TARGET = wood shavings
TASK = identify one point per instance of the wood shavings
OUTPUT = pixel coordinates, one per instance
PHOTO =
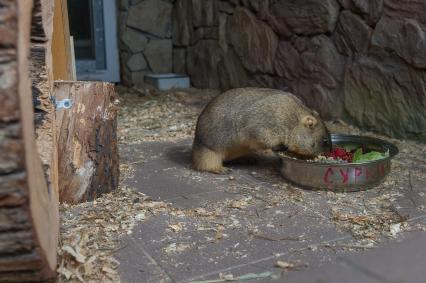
(277, 239)
(176, 227)
(365, 224)
(176, 248)
(285, 264)
(231, 277)
(219, 235)
(240, 204)
(140, 216)
(395, 229)
(360, 246)
(154, 115)
(74, 253)
(203, 212)
(91, 232)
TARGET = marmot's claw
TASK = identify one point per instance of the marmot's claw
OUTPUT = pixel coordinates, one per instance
(223, 171)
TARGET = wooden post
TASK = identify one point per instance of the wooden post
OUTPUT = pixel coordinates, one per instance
(28, 206)
(62, 68)
(87, 140)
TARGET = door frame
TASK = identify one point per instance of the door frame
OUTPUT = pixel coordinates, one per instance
(111, 73)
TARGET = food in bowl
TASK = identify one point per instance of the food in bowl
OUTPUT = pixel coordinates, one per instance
(339, 154)
(366, 170)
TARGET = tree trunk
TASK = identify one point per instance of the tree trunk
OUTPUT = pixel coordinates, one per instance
(87, 140)
(28, 206)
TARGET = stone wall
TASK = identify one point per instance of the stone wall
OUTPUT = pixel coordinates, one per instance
(360, 60)
(145, 32)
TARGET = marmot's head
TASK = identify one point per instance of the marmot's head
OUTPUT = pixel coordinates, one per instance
(310, 137)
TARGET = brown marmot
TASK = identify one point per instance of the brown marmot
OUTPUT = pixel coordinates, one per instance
(245, 120)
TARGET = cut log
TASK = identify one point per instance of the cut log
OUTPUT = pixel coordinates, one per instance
(28, 207)
(87, 140)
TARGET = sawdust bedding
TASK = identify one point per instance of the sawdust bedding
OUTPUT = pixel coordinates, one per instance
(91, 232)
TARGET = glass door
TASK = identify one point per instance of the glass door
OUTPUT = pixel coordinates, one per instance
(95, 39)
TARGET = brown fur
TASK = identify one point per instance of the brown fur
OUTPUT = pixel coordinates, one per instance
(204, 159)
(241, 121)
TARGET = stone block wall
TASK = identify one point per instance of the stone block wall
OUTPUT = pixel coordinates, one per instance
(145, 33)
(360, 60)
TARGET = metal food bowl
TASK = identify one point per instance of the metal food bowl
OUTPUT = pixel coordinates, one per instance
(342, 177)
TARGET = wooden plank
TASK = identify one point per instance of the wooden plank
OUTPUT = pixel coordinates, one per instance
(42, 85)
(73, 66)
(44, 203)
(61, 45)
(87, 140)
(28, 211)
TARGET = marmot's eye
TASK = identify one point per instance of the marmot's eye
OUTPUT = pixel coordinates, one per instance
(326, 141)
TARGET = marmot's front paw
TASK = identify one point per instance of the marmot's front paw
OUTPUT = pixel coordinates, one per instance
(222, 171)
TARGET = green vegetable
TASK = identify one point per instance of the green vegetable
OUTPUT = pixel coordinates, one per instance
(350, 146)
(369, 156)
(357, 155)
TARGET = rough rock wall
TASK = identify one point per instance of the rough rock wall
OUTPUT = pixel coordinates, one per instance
(145, 32)
(360, 60)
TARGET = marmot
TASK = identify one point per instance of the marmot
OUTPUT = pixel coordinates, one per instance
(245, 120)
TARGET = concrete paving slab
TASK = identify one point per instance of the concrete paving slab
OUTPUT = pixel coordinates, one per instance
(165, 173)
(250, 238)
(202, 254)
(402, 262)
(137, 265)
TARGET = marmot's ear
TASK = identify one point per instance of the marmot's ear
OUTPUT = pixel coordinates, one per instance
(309, 121)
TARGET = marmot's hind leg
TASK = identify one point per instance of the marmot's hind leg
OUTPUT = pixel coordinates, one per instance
(204, 159)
